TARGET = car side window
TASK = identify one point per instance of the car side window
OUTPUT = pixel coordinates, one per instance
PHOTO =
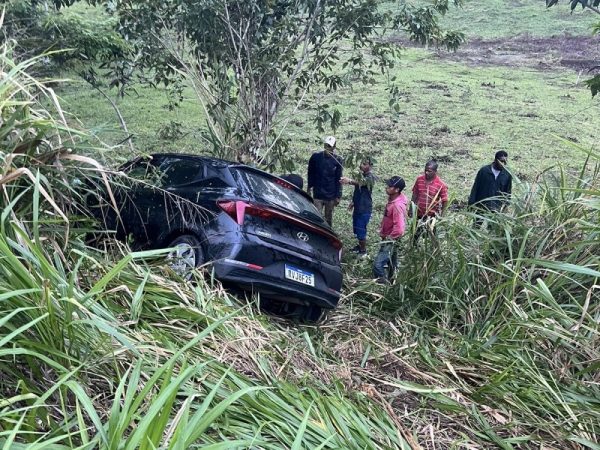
(213, 179)
(213, 182)
(180, 172)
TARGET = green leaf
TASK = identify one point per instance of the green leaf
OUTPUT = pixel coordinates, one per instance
(297, 445)
(142, 435)
(6, 339)
(585, 442)
(564, 267)
(201, 423)
(229, 445)
(90, 409)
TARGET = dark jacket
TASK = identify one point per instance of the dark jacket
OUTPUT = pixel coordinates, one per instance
(324, 173)
(361, 198)
(491, 192)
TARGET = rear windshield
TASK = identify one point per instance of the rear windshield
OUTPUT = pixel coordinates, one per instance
(267, 189)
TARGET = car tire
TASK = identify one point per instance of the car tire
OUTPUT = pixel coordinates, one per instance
(187, 254)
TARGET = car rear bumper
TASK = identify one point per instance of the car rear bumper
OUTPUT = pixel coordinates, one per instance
(270, 283)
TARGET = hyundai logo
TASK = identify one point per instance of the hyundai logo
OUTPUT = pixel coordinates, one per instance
(302, 236)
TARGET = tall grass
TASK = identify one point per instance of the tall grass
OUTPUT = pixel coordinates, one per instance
(508, 315)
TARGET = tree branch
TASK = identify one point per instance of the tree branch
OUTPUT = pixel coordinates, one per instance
(120, 116)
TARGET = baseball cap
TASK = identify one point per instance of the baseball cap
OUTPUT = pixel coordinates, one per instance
(330, 141)
(396, 182)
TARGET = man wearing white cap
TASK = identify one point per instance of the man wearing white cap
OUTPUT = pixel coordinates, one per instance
(324, 174)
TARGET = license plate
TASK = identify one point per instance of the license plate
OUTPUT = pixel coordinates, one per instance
(299, 275)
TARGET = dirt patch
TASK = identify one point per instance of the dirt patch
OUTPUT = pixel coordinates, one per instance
(437, 86)
(444, 129)
(544, 53)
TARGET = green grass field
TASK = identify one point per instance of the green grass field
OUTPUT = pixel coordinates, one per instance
(457, 108)
(492, 19)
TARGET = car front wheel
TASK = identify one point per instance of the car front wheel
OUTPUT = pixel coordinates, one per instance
(186, 255)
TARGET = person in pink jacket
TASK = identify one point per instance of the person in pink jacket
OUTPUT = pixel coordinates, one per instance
(393, 226)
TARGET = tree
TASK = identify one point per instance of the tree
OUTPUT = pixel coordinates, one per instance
(251, 60)
(37, 27)
(591, 5)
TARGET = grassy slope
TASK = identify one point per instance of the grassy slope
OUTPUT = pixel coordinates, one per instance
(496, 19)
(520, 113)
(446, 111)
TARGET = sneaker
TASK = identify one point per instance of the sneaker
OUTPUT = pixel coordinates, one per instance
(362, 255)
(355, 249)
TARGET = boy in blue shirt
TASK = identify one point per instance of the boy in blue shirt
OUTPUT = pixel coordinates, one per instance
(362, 204)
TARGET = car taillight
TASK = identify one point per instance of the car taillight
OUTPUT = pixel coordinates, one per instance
(261, 212)
(234, 209)
(283, 184)
(237, 209)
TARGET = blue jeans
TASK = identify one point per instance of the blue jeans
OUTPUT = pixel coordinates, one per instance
(387, 256)
(360, 222)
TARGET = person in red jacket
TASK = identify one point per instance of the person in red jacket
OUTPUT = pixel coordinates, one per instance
(430, 195)
(393, 226)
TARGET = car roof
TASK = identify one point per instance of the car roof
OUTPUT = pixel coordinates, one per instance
(225, 163)
(209, 159)
(217, 162)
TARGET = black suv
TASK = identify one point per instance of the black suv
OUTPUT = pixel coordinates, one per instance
(256, 231)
